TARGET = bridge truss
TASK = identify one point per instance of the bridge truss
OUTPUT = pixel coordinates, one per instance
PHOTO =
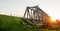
(36, 14)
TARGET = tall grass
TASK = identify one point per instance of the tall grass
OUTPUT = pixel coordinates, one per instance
(10, 23)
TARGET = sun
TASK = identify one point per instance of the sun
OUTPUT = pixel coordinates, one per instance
(53, 19)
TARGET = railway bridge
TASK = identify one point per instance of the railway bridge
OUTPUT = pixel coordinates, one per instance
(36, 15)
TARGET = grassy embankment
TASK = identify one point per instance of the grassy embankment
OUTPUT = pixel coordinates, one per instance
(11, 23)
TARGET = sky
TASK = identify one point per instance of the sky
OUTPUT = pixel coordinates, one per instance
(18, 7)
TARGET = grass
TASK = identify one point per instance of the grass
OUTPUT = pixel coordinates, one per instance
(11, 23)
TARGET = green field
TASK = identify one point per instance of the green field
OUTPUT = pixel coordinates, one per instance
(12, 23)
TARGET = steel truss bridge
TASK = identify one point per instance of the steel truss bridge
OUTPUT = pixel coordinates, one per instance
(36, 15)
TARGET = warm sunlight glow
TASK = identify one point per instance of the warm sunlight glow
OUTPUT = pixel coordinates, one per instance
(53, 20)
(55, 16)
